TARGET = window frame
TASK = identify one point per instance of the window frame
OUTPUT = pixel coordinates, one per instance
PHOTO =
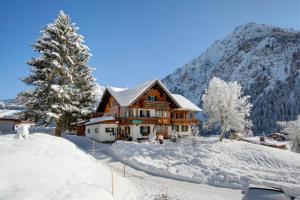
(184, 130)
(112, 130)
(147, 133)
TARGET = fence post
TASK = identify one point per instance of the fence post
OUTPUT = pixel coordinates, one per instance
(93, 150)
(124, 166)
(112, 181)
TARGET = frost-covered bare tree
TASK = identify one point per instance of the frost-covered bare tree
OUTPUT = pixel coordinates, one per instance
(61, 80)
(226, 108)
(292, 128)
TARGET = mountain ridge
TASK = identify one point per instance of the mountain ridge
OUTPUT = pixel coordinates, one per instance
(264, 59)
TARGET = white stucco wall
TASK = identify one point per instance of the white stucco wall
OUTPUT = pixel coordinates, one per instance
(101, 136)
(6, 126)
(188, 133)
(136, 131)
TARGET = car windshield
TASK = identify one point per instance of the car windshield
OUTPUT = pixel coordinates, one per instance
(265, 194)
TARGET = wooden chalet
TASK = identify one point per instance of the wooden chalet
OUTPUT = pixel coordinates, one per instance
(134, 114)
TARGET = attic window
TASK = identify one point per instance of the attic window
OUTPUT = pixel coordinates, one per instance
(152, 98)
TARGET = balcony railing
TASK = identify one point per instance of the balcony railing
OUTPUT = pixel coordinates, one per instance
(156, 104)
(181, 121)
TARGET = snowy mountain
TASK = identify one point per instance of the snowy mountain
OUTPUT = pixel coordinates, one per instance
(264, 59)
(10, 104)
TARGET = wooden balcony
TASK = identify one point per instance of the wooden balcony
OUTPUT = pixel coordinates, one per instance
(160, 105)
(184, 121)
(146, 120)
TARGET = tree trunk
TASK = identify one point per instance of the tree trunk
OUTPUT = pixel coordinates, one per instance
(221, 137)
(58, 128)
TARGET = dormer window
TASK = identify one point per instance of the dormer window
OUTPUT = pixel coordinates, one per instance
(152, 98)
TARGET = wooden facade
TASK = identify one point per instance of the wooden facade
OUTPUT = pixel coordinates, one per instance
(152, 111)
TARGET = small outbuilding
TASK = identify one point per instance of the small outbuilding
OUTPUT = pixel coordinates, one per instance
(7, 124)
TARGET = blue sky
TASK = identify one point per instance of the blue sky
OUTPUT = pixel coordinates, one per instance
(133, 40)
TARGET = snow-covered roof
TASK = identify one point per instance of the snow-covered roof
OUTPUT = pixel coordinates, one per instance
(129, 96)
(126, 97)
(185, 103)
(9, 114)
(99, 119)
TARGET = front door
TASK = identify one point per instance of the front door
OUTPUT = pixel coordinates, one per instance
(162, 130)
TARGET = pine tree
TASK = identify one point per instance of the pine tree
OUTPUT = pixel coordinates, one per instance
(61, 81)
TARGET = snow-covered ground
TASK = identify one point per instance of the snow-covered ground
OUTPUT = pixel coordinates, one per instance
(232, 164)
(268, 141)
(48, 167)
(151, 187)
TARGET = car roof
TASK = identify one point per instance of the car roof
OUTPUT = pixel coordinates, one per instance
(252, 186)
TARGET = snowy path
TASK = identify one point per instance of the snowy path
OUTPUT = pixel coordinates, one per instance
(155, 187)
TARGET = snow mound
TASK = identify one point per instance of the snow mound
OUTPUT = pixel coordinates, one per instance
(233, 164)
(48, 167)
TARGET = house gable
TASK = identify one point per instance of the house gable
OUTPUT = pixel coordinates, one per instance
(108, 104)
(154, 97)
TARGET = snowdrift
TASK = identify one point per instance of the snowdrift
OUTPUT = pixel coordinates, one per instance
(48, 167)
(232, 164)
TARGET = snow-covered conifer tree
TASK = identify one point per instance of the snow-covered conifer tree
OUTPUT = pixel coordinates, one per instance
(292, 128)
(226, 108)
(61, 80)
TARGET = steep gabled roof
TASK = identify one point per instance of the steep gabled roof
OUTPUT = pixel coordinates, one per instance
(130, 96)
(185, 103)
(126, 97)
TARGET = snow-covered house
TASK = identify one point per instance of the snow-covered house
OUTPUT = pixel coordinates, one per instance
(134, 114)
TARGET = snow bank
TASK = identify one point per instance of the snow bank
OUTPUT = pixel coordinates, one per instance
(48, 167)
(233, 164)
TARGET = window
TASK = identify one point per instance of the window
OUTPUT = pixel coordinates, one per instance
(127, 113)
(96, 130)
(158, 113)
(152, 98)
(176, 127)
(144, 113)
(127, 130)
(165, 114)
(179, 116)
(89, 131)
(109, 130)
(145, 130)
(184, 128)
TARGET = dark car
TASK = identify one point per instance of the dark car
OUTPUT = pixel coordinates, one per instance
(264, 193)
